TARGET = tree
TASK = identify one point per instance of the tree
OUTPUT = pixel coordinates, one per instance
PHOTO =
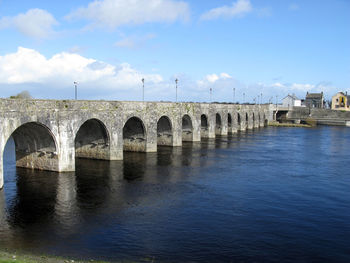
(22, 95)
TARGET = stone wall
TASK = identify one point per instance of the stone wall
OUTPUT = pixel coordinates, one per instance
(322, 116)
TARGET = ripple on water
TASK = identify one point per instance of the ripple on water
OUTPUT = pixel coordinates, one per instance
(267, 195)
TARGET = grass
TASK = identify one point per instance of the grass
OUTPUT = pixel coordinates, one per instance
(7, 257)
(277, 124)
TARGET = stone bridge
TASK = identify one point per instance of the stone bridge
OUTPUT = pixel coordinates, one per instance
(50, 134)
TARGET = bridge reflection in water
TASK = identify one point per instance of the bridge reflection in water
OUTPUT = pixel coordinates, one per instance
(35, 203)
(233, 198)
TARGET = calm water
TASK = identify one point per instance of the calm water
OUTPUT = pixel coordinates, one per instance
(268, 195)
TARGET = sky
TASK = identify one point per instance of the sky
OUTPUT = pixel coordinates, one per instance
(219, 50)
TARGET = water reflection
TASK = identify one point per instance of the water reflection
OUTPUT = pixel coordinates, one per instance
(35, 198)
(67, 213)
(4, 227)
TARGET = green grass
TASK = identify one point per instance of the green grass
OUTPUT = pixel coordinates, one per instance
(7, 257)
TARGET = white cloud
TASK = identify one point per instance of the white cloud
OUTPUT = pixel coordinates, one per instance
(27, 69)
(134, 42)
(237, 9)
(29, 66)
(36, 23)
(115, 13)
(211, 78)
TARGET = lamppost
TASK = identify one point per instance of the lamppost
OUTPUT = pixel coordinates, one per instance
(261, 98)
(76, 89)
(176, 80)
(243, 97)
(211, 91)
(143, 89)
(234, 91)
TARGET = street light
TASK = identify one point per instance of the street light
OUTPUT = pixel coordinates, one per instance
(234, 91)
(176, 81)
(143, 89)
(261, 98)
(211, 90)
(76, 89)
(243, 97)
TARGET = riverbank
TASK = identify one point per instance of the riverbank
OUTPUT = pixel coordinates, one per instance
(277, 124)
(9, 257)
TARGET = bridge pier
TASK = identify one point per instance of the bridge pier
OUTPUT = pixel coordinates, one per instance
(234, 125)
(250, 124)
(261, 124)
(256, 124)
(1, 173)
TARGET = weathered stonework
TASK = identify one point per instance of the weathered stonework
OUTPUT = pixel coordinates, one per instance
(50, 134)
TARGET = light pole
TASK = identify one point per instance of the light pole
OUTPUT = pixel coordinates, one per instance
(261, 98)
(76, 89)
(176, 81)
(234, 91)
(143, 89)
(211, 91)
(243, 97)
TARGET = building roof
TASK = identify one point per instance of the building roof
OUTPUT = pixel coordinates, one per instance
(292, 96)
(314, 95)
(340, 93)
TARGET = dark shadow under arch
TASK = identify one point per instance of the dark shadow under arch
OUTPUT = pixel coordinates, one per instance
(134, 135)
(246, 120)
(92, 140)
(204, 126)
(218, 124)
(164, 131)
(35, 147)
(187, 128)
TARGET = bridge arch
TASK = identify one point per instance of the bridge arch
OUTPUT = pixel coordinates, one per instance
(254, 120)
(204, 126)
(218, 124)
(239, 121)
(187, 128)
(35, 147)
(164, 131)
(229, 123)
(246, 120)
(134, 135)
(92, 140)
(265, 120)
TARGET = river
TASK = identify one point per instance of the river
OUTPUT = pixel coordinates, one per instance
(272, 194)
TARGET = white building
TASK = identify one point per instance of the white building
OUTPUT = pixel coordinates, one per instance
(291, 101)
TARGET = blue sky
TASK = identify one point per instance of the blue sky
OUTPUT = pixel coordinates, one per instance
(268, 47)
